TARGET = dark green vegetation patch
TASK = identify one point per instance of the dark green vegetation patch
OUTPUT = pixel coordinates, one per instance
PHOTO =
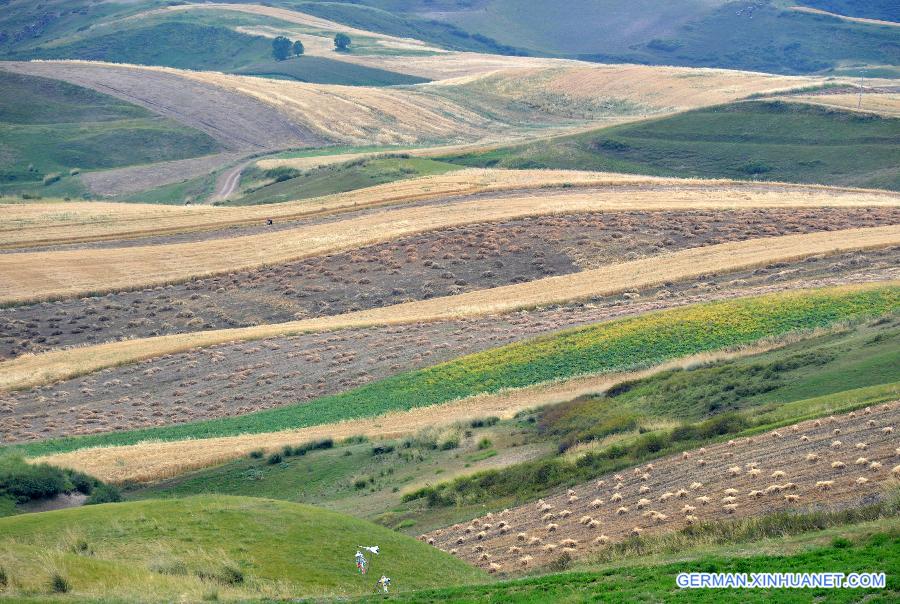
(758, 140)
(50, 128)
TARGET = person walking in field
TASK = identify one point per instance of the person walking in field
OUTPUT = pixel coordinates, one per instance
(361, 562)
(383, 583)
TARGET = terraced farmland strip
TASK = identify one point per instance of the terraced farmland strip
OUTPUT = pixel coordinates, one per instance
(36, 224)
(48, 367)
(39, 276)
(622, 345)
(152, 461)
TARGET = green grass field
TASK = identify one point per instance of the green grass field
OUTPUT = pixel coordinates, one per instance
(813, 376)
(49, 127)
(181, 44)
(613, 346)
(208, 547)
(759, 140)
(275, 186)
(847, 360)
(327, 71)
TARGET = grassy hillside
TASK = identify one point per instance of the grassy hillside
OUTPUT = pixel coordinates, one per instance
(285, 184)
(746, 34)
(814, 376)
(886, 10)
(49, 127)
(614, 346)
(327, 71)
(172, 44)
(822, 366)
(208, 547)
(760, 140)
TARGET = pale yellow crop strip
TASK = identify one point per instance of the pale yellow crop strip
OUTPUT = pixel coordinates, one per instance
(158, 460)
(33, 370)
(47, 275)
(36, 224)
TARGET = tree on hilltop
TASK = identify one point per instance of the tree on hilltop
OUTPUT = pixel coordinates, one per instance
(341, 41)
(281, 48)
(297, 48)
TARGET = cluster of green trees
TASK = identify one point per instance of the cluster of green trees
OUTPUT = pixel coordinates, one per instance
(283, 48)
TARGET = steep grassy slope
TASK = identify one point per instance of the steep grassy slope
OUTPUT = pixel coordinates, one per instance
(280, 184)
(747, 34)
(48, 126)
(171, 44)
(760, 140)
(192, 548)
(322, 70)
(614, 346)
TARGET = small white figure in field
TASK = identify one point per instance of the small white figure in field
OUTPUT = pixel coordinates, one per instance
(383, 583)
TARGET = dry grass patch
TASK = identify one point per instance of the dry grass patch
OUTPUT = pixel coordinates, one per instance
(32, 370)
(886, 104)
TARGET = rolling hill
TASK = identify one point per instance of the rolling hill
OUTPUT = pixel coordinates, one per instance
(203, 547)
(51, 128)
(758, 140)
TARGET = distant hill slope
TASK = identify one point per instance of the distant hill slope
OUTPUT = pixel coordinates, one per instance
(51, 127)
(889, 10)
(761, 35)
(235, 547)
(758, 35)
(762, 140)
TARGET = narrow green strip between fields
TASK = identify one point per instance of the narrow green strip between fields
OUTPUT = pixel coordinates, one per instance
(621, 345)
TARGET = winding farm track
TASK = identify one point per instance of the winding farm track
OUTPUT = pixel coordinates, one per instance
(132, 179)
(32, 370)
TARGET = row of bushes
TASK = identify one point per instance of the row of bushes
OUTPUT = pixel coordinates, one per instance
(532, 478)
(23, 482)
(294, 451)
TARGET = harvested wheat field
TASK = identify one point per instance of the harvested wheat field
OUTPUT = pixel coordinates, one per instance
(427, 265)
(51, 366)
(153, 461)
(32, 224)
(833, 463)
(239, 377)
(51, 275)
(886, 104)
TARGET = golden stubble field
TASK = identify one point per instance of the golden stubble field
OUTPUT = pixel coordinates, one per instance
(34, 276)
(33, 370)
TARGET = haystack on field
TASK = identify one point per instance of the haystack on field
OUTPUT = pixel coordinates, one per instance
(789, 469)
(39, 223)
